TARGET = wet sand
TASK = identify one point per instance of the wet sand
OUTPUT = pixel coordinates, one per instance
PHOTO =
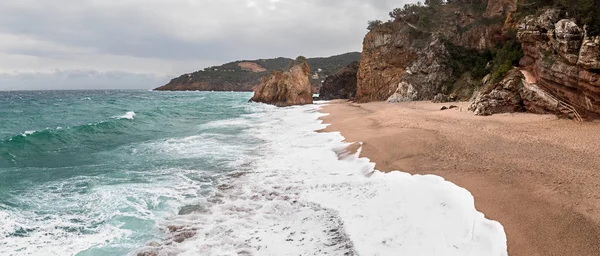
(538, 175)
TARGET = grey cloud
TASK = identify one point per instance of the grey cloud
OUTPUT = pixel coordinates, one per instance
(79, 79)
(187, 30)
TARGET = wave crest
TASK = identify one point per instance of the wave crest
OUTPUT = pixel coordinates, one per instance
(129, 115)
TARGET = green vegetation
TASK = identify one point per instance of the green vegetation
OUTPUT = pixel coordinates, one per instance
(505, 57)
(373, 24)
(497, 61)
(417, 14)
(468, 60)
(586, 12)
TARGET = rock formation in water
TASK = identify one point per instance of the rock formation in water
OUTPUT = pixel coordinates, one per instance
(341, 85)
(286, 88)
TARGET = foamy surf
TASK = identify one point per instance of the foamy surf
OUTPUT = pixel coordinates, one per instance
(129, 115)
(24, 134)
(295, 197)
(217, 176)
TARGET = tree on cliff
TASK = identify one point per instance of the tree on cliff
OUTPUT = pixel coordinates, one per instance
(586, 12)
(433, 3)
(373, 24)
(417, 14)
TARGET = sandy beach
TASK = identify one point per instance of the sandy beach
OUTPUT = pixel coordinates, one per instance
(538, 175)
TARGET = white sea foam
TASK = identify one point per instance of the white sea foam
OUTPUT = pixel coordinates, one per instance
(129, 115)
(290, 195)
(110, 213)
(24, 134)
(299, 199)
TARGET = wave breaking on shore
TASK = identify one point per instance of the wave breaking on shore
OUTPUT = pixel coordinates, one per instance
(294, 195)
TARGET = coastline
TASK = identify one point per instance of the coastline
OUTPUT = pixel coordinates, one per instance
(535, 174)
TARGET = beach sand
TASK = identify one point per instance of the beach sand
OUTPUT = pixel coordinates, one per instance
(538, 175)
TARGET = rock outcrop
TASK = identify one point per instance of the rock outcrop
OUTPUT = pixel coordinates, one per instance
(564, 60)
(402, 61)
(286, 88)
(515, 94)
(397, 67)
(501, 97)
(423, 79)
(341, 85)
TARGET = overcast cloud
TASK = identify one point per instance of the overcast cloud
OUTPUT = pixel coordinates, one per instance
(144, 43)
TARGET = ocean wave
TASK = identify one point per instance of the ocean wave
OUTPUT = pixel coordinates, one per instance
(129, 115)
(34, 146)
(299, 198)
(25, 133)
(76, 222)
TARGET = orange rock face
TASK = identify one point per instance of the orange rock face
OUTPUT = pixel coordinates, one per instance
(404, 62)
(563, 59)
(287, 88)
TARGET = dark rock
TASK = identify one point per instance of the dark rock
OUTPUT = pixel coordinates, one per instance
(148, 253)
(189, 209)
(341, 85)
(174, 228)
(440, 98)
(179, 238)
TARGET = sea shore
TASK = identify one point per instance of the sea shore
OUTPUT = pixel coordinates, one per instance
(538, 175)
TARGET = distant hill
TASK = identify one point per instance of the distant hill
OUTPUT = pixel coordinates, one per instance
(245, 74)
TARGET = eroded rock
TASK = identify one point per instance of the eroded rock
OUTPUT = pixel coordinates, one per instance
(502, 97)
(564, 60)
(286, 88)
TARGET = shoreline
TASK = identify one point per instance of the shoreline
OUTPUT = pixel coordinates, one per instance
(535, 174)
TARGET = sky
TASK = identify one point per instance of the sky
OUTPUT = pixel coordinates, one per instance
(142, 44)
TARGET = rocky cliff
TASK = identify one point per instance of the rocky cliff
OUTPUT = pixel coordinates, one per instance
(341, 85)
(444, 51)
(407, 58)
(563, 58)
(286, 88)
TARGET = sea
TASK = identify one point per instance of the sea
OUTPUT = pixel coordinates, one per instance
(133, 172)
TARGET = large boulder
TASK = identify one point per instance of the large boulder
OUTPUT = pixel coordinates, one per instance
(286, 88)
(515, 94)
(501, 97)
(341, 85)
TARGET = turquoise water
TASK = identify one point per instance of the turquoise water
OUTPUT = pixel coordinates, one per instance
(95, 172)
(201, 173)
